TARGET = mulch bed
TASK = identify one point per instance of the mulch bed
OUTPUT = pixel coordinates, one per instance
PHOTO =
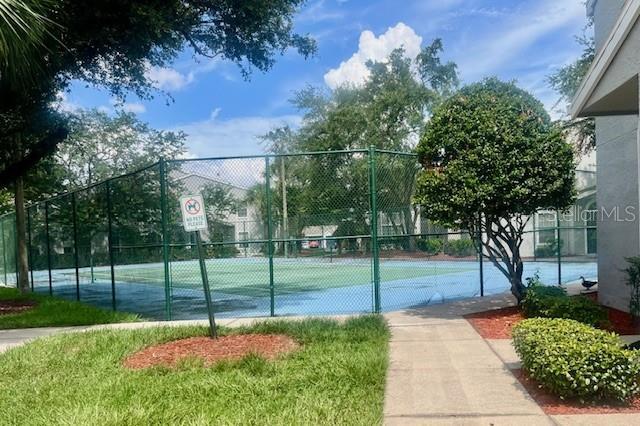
(497, 323)
(16, 306)
(553, 405)
(210, 351)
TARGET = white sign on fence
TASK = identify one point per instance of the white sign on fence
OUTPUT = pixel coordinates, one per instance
(193, 214)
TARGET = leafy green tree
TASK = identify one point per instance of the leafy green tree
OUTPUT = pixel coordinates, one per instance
(493, 150)
(566, 81)
(100, 146)
(112, 44)
(220, 202)
(136, 36)
(388, 111)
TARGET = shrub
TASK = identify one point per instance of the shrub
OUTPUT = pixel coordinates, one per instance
(546, 304)
(549, 249)
(571, 359)
(460, 248)
(431, 246)
(545, 251)
(553, 302)
(633, 281)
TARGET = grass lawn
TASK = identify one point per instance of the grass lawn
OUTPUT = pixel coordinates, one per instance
(52, 312)
(251, 277)
(337, 377)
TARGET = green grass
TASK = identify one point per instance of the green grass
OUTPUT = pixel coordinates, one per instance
(53, 311)
(252, 278)
(337, 377)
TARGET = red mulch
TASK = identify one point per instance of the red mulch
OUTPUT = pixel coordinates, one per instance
(553, 405)
(210, 351)
(497, 323)
(16, 306)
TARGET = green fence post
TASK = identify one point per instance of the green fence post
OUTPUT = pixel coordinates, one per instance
(559, 248)
(110, 244)
(48, 241)
(535, 235)
(375, 254)
(15, 247)
(76, 258)
(4, 253)
(165, 240)
(270, 234)
(481, 256)
(29, 252)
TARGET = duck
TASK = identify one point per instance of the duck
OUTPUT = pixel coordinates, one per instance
(588, 284)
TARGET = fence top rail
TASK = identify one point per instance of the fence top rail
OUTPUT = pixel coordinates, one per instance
(90, 186)
(402, 153)
(184, 160)
(272, 155)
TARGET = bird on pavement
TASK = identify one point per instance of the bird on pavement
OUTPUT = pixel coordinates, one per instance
(587, 284)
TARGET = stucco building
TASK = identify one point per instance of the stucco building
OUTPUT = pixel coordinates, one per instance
(609, 92)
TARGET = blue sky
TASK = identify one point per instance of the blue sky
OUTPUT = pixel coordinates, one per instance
(223, 114)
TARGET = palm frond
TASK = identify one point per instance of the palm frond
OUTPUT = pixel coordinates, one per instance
(24, 30)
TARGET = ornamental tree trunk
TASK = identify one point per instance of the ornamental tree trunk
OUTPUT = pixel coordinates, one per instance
(21, 238)
(518, 289)
(501, 239)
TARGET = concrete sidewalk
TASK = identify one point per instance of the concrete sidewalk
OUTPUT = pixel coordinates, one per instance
(442, 372)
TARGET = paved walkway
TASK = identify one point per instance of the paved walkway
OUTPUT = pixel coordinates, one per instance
(442, 372)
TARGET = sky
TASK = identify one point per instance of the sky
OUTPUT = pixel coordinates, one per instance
(224, 114)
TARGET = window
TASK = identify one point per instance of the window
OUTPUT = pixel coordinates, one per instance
(242, 210)
(243, 236)
(546, 225)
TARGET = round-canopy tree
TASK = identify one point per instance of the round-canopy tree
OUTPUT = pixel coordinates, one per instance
(491, 159)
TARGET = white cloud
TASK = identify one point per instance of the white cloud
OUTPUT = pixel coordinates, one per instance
(64, 104)
(237, 136)
(135, 107)
(370, 47)
(168, 78)
(214, 113)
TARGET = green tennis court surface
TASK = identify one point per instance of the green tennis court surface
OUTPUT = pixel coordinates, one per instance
(252, 278)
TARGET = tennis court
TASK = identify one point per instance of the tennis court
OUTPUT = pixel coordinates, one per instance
(291, 234)
(240, 286)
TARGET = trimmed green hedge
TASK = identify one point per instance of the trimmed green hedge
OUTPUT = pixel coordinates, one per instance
(572, 359)
(462, 247)
(553, 302)
(431, 246)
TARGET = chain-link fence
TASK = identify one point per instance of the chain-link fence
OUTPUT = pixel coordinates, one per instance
(292, 234)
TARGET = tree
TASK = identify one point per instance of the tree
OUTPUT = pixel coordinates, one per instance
(566, 81)
(493, 150)
(131, 37)
(23, 30)
(388, 111)
(220, 202)
(113, 44)
(100, 146)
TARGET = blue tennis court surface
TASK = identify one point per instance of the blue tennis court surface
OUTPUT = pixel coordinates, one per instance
(240, 286)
